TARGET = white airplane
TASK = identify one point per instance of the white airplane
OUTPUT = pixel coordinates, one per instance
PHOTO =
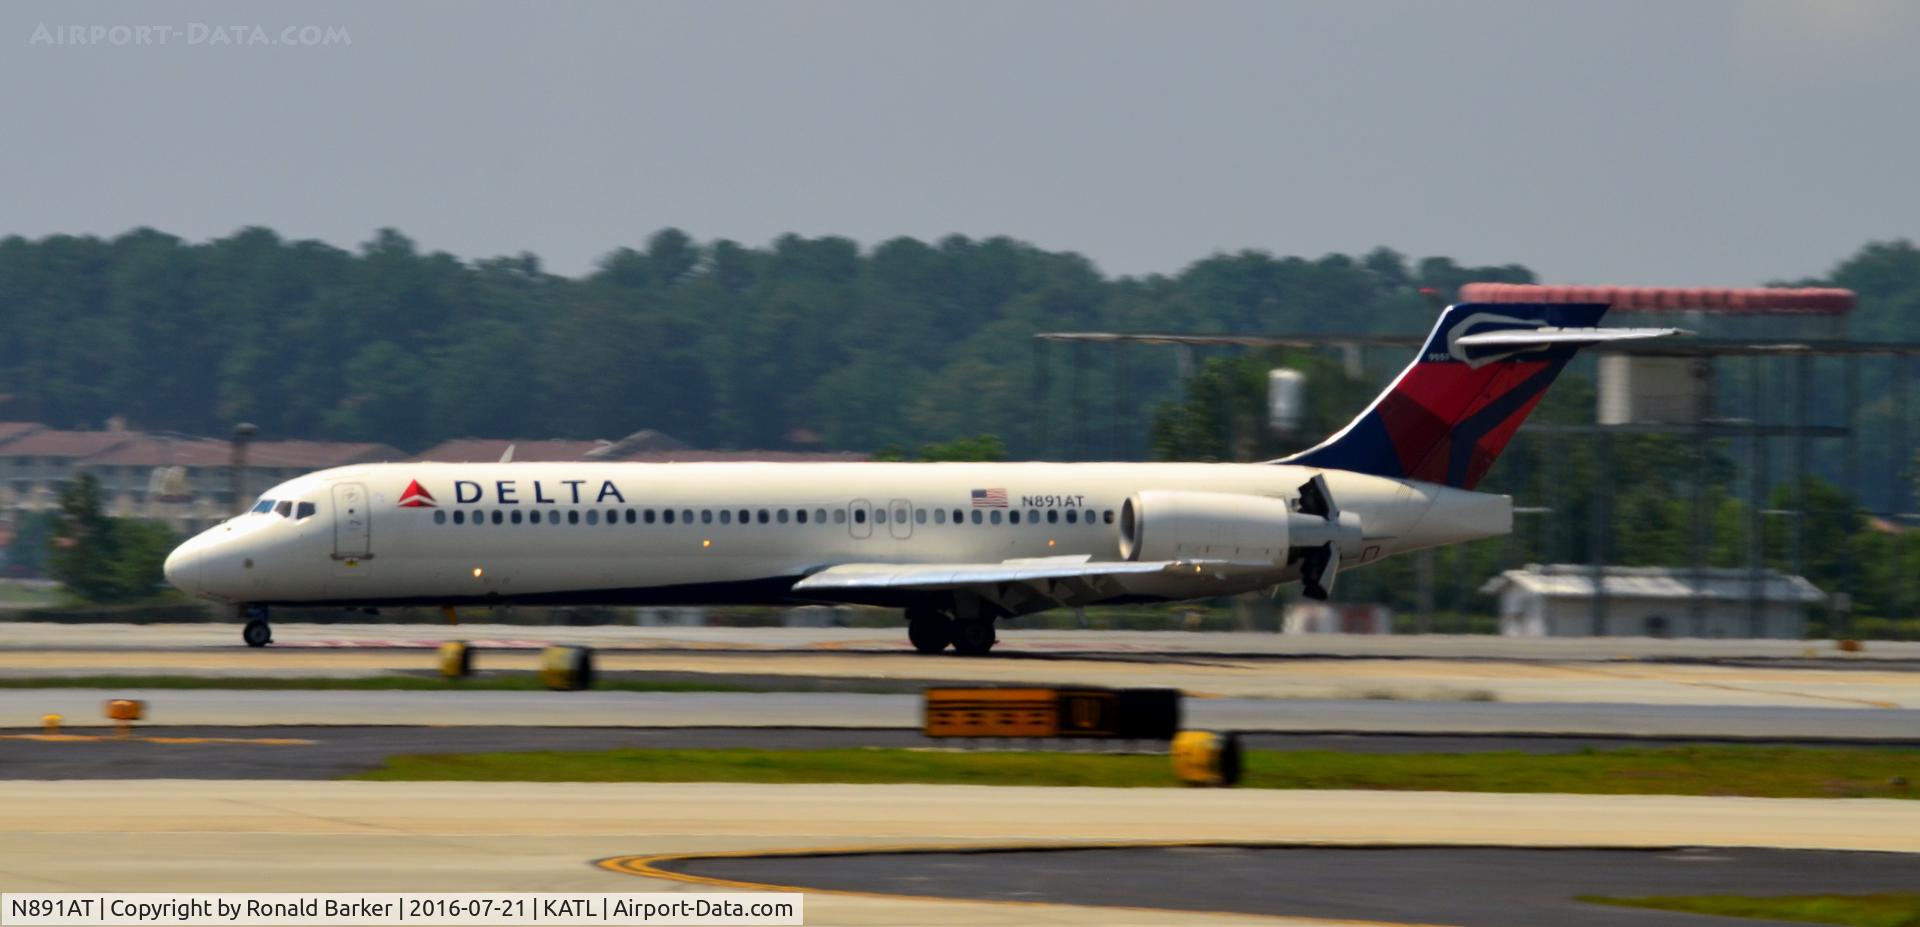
(955, 545)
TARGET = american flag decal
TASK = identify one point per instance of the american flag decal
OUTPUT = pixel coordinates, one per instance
(989, 498)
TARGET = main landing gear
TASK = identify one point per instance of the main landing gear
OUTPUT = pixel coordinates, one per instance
(257, 632)
(931, 631)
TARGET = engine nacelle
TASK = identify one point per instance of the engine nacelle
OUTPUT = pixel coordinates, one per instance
(1168, 525)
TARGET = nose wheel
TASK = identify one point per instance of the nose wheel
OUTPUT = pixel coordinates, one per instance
(257, 632)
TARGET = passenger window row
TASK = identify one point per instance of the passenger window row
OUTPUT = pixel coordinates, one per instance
(816, 516)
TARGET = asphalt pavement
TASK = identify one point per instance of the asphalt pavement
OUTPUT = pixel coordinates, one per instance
(1469, 887)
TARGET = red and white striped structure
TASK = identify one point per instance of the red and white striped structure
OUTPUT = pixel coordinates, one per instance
(1728, 300)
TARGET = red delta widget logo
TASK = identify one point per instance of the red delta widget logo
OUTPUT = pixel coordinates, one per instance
(511, 492)
(416, 497)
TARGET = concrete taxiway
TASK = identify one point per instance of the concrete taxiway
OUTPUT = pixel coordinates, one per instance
(220, 835)
(23, 708)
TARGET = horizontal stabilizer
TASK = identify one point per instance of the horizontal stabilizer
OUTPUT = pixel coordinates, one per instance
(1571, 336)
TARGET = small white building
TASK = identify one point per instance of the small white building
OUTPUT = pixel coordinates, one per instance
(1557, 600)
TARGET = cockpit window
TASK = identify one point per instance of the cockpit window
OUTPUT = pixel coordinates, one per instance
(304, 510)
(283, 508)
(264, 505)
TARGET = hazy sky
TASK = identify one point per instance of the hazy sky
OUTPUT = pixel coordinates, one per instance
(1621, 142)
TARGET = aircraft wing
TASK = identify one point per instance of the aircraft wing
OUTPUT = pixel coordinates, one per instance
(1057, 581)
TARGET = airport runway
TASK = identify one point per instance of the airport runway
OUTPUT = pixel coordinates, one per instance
(51, 635)
(23, 709)
(332, 752)
(216, 835)
(1883, 684)
(1470, 887)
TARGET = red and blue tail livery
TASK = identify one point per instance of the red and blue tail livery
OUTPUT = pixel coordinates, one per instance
(1450, 413)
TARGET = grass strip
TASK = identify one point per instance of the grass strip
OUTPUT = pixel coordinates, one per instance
(1767, 772)
(1889, 909)
(489, 682)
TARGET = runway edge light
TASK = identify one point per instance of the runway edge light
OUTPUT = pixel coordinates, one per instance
(456, 660)
(1207, 758)
(567, 668)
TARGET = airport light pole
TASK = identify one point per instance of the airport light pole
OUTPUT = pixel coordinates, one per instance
(237, 467)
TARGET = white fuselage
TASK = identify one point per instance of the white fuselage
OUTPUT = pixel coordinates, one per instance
(739, 532)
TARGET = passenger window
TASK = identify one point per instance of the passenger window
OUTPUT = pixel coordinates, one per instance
(304, 510)
(283, 509)
(939, 516)
(839, 516)
(668, 515)
(1053, 517)
(746, 517)
(633, 515)
(820, 515)
(919, 516)
(879, 516)
(780, 516)
(726, 516)
(706, 516)
(899, 516)
(1109, 518)
(859, 516)
(1033, 515)
(459, 518)
(800, 515)
(497, 517)
(648, 515)
(573, 517)
(976, 516)
(763, 516)
(515, 517)
(534, 516)
(1013, 517)
(995, 518)
(686, 516)
(479, 518)
(439, 516)
(958, 516)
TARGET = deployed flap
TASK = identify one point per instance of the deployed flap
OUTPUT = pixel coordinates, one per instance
(952, 575)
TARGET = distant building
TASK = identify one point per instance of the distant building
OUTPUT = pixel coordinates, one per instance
(1557, 601)
(1309, 617)
(183, 481)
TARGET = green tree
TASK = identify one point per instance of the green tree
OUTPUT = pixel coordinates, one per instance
(100, 558)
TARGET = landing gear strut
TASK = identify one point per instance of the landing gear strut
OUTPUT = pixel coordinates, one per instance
(257, 633)
(929, 630)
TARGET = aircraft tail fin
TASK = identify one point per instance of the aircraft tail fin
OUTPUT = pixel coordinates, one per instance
(1450, 413)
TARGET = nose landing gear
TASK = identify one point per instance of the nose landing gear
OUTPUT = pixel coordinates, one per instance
(257, 632)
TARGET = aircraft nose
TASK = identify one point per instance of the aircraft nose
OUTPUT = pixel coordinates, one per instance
(183, 569)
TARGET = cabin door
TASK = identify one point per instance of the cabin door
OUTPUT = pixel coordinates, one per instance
(352, 522)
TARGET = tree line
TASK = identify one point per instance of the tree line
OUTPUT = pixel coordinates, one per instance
(721, 344)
